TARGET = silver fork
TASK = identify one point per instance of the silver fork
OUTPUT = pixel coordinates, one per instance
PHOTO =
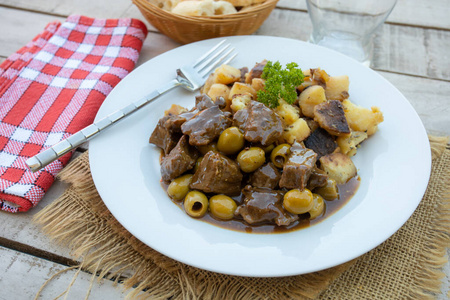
(190, 77)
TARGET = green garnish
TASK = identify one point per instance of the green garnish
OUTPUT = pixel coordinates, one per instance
(280, 83)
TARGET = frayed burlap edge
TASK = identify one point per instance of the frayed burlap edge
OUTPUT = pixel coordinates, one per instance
(81, 221)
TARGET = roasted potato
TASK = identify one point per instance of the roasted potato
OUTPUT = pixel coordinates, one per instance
(258, 84)
(175, 109)
(227, 74)
(297, 131)
(338, 166)
(219, 90)
(362, 119)
(242, 88)
(240, 101)
(309, 98)
(337, 88)
(209, 82)
(348, 144)
(289, 113)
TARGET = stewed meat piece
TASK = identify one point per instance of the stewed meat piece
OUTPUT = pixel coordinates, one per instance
(256, 71)
(181, 159)
(266, 176)
(165, 136)
(331, 117)
(298, 167)
(206, 126)
(203, 102)
(264, 205)
(259, 123)
(168, 130)
(217, 174)
(318, 178)
(244, 71)
(321, 142)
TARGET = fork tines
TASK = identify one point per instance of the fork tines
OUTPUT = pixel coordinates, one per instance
(210, 60)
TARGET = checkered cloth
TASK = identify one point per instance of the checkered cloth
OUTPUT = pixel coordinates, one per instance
(53, 87)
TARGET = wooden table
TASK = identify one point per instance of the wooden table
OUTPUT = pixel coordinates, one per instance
(412, 51)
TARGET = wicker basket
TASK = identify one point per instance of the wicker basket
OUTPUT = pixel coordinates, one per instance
(187, 29)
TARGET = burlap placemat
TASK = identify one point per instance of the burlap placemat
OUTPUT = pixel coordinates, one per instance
(407, 266)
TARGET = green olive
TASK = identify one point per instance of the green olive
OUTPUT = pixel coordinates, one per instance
(179, 187)
(196, 204)
(329, 191)
(269, 148)
(298, 202)
(222, 207)
(251, 159)
(280, 154)
(318, 207)
(231, 141)
(205, 149)
(197, 163)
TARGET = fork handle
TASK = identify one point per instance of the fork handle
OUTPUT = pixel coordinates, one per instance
(51, 154)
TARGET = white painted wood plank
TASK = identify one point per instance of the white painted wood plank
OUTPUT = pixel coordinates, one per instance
(97, 8)
(430, 98)
(430, 13)
(22, 275)
(20, 228)
(19, 27)
(413, 51)
(133, 12)
(408, 50)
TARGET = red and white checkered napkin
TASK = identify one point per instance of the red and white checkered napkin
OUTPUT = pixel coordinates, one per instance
(53, 87)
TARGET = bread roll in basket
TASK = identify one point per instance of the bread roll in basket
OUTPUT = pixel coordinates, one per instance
(187, 29)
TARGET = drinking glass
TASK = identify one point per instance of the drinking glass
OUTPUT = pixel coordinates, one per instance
(348, 26)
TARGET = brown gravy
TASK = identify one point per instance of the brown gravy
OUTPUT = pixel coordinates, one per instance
(346, 192)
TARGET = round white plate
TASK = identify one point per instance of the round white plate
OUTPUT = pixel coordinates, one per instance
(394, 166)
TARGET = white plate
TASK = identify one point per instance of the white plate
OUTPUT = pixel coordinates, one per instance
(394, 166)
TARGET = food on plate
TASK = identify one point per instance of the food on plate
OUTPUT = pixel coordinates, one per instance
(205, 7)
(266, 147)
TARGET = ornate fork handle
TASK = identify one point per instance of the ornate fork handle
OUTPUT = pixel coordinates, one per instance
(190, 77)
(49, 155)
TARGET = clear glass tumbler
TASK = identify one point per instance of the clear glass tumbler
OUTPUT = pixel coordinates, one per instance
(348, 26)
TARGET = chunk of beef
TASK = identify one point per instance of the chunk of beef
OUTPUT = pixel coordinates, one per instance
(331, 117)
(264, 205)
(259, 123)
(203, 102)
(168, 130)
(165, 136)
(318, 178)
(256, 71)
(298, 168)
(217, 174)
(182, 158)
(175, 121)
(266, 176)
(244, 71)
(206, 126)
(321, 142)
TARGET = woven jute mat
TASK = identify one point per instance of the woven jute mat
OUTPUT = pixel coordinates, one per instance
(406, 266)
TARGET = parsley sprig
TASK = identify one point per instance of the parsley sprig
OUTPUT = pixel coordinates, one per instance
(280, 83)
